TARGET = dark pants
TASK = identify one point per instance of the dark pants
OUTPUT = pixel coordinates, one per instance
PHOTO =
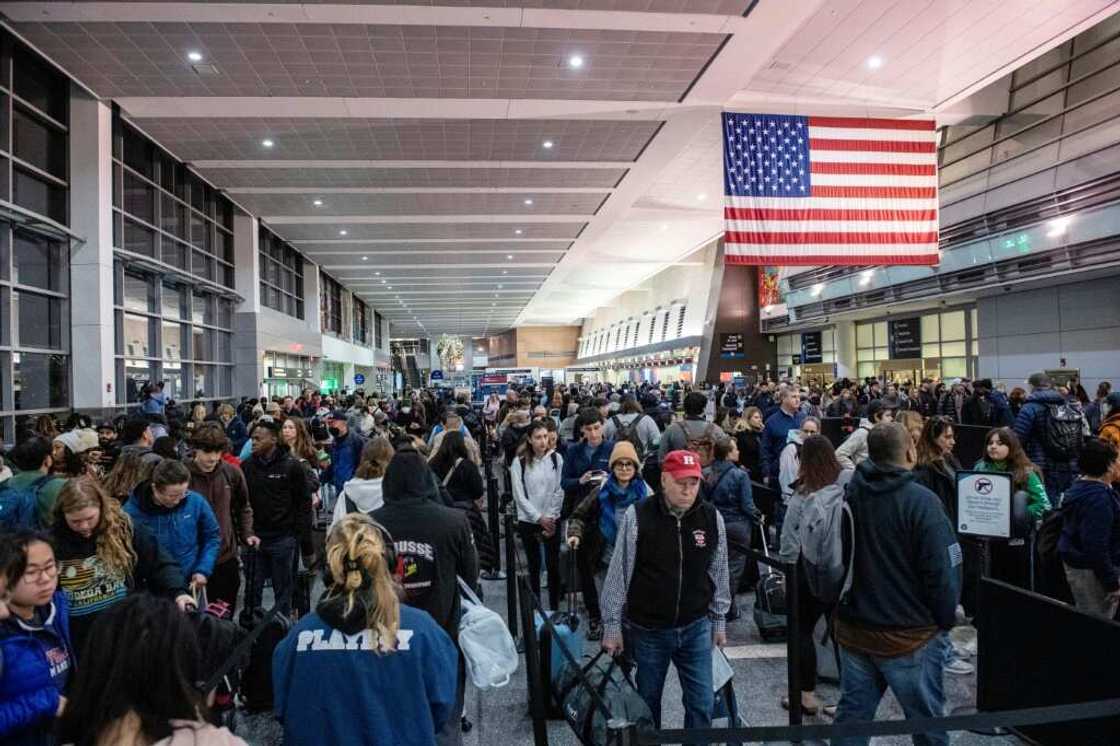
(809, 610)
(532, 539)
(224, 583)
(972, 552)
(276, 558)
(588, 567)
(451, 734)
(738, 542)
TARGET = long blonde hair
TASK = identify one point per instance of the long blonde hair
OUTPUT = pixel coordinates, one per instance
(356, 558)
(114, 528)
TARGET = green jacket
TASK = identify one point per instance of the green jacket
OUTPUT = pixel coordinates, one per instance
(1037, 501)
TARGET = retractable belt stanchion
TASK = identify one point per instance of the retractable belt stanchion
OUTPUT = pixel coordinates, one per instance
(493, 520)
(511, 580)
(538, 695)
(793, 646)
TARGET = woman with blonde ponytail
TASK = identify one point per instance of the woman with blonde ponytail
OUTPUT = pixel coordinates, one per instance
(399, 666)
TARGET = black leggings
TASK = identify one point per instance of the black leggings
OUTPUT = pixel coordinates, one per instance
(532, 539)
(809, 610)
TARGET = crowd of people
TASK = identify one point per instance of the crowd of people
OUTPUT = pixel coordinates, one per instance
(654, 493)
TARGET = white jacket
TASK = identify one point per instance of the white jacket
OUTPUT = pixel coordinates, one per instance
(365, 493)
(537, 492)
(789, 463)
(853, 451)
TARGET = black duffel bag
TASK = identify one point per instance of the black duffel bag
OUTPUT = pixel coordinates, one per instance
(597, 692)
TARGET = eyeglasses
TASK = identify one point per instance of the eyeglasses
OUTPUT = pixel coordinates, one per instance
(625, 465)
(32, 574)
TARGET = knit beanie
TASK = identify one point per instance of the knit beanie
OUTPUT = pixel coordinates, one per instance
(624, 450)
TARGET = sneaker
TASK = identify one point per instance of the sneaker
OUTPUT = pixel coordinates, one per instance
(959, 667)
(594, 630)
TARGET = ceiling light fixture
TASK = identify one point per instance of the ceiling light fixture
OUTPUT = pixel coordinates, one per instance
(1058, 226)
(701, 197)
(377, 273)
(505, 271)
(575, 61)
(509, 256)
(342, 232)
(547, 144)
(366, 259)
(875, 62)
(389, 288)
(528, 202)
(865, 277)
(194, 56)
(818, 289)
(518, 232)
(318, 203)
(266, 143)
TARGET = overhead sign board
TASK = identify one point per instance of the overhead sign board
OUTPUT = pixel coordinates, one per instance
(811, 348)
(731, 346)
(291, 373)
(359, 379)
(905, 338)
(437, 375)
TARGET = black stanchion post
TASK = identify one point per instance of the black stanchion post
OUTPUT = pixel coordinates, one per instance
(793, 646)
(621, 733)
(537, 698)
(493, 520)
(511, 577)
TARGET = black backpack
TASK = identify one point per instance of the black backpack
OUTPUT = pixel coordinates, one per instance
(629, 433)
(1062, 433)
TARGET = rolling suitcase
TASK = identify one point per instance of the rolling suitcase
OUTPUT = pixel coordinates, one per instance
(563, 634)
(770, 598)
(256, 680)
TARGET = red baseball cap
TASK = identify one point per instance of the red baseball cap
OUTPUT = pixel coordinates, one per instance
(682, 464)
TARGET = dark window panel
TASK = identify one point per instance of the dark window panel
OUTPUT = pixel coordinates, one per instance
(35, 194)
(40, 381)
(36, 261)
(139, 198)
(139, 295)
(138, 152)
(40, 320)
(38, 84)
(38, 143)
(139, 238)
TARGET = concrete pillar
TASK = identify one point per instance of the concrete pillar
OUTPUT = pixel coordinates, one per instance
(248, 369)
(91, 264)
(846, 350)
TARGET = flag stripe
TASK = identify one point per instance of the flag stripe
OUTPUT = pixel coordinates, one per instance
(879, 124)
(832, 249)
(889, 192)
(848, 156)
(809, 213)
(874, 169)
(845, 133)
(871, 146)
(891, 180)
(834, 203)
(830, 226)
(787, 259)
(836, 237)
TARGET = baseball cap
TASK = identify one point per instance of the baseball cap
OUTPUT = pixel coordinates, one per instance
(682, 464)
(338, 414)
(106, 425)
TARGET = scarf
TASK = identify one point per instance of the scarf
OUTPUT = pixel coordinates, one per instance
(614, 500)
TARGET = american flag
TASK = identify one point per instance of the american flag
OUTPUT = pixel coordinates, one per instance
(829, 190)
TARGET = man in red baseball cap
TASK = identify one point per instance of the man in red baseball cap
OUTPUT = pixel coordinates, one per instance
(666, 592)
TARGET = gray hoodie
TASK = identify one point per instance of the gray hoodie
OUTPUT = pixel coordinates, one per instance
(790, 550)
(853, 451)
(365, 494)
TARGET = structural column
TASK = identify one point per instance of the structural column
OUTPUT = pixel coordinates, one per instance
(248, 370)
(91, 263)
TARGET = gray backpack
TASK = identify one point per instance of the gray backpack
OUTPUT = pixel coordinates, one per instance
(821, 531)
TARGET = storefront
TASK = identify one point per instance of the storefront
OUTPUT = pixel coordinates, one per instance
(809, 356)
(288, 375)
(656, 368)
(940, 345)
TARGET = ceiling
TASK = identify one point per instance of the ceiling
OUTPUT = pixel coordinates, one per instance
(448, 160)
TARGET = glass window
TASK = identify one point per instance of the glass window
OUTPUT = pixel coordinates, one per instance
(881, 337)
(203, 381)
(225, 348)
(137, 374)
(39, 320)
(138, 154)
(225, 313)
(868, 370)
(882, 353)
(36, 194)
(172, 340)
(953, 349)
(38, 143)
(39, 85)
(172, 302)
(139, 336)
(139, 295)
(36, 261)
(930, 349)
(931, 332)
(952, 326)
(954, 367)
(202, 309)
(202, 265)
(172, 252)
(139, 239)
(172, 374)
(174, 217)
(40, 381)
(864, 335)
(202, 348)
(139, 198)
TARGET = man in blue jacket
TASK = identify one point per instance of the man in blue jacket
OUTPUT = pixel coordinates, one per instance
(585, 459)
(786, 417)
(346, 450)
(1090, 541)
(181, 520)
(1057, 474)
(892, 626)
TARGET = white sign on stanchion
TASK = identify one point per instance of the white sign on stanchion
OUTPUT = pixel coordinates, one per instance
(984, 504)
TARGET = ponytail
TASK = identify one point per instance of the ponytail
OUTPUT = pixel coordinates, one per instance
(356, 557)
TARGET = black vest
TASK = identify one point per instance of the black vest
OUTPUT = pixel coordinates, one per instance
(670, 585)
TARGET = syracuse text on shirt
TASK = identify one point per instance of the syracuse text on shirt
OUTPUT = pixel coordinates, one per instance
(312, 640)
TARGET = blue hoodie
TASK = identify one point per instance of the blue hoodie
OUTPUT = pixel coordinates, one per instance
(400, 698)
(36, 659)
(1091, 531)
(774, 436)
(189, 532)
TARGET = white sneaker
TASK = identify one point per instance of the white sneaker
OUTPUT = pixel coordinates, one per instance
(959, 667)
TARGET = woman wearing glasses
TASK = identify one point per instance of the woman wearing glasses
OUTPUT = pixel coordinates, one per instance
(35, 649)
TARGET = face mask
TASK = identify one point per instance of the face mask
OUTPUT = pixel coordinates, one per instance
(335, 432)
(406, 410)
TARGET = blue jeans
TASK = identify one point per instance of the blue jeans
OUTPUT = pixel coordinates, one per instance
(276, 558)
(690, 650)
(915, 679)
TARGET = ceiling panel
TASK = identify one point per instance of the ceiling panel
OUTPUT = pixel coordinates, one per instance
(720, 7)
(375, 61)
(488, 274)
(357, 178)
(332, 261)
(461, 203)
(401, 139)
(358, 247)
(404, 231)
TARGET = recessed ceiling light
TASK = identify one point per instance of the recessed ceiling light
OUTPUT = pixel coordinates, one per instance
(875, 62)
(382, 282)
(390, 287)
(508, 256)
(342, 232)
(499, 287)
(701, 197)
(518, 232)
(266, 143)
(318, 203)
(547, 144)
(528, 201)
(194, 56)
(376, 273)
(575, 61)
(505, 271)
(818, 289)
(366, 259)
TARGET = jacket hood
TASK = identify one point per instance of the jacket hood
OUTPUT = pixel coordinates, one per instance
(142, 494)
(367, 494)
(871, 477)
(1046, 396)
(188, 733)
(1083, 489)
(795, 436)
(409, 479)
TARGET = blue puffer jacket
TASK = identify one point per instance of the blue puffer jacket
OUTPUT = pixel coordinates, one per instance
(728, 487)
(346, 454)
(189, 532)
(28, 693)
(1030, 426)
